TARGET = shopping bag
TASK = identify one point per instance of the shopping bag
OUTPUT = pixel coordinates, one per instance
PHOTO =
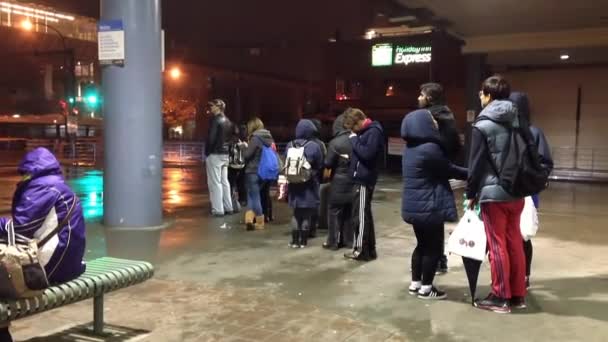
(469, 238)
(529, 220)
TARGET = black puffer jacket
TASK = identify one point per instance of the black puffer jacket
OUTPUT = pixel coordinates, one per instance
(338, 160)
(220, 134)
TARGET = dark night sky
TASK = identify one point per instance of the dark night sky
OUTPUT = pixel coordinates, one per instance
(246, 21)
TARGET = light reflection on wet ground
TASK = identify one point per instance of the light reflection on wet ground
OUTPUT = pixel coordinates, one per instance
(182, 188)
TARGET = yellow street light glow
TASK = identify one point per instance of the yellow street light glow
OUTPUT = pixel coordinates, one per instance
(175, 73)
(27, 25)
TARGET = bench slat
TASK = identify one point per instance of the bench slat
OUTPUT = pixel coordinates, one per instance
(101, 276)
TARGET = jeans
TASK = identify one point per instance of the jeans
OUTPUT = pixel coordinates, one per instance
(217, 182)
(254, 200)
(427, 253)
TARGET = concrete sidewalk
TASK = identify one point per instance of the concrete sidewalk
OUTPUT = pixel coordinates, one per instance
(216, 284)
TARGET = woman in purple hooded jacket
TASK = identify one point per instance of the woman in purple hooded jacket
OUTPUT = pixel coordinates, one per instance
(41, 201)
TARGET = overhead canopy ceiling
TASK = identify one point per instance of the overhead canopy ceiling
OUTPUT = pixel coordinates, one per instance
(493, 17)
(238, 23)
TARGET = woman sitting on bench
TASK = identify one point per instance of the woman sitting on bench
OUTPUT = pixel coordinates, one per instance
(41, 201)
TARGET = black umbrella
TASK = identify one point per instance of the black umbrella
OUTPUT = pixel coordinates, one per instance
(471, 268)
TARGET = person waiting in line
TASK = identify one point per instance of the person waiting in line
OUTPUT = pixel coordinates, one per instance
(236, 166)
(500, 211)
(317, 217)
(428, 200)
(544, 151)
(367, 139)
(304, 196)
(337, 164)
(432, 98)
(217, 151)
(42, 200)
(258, 138)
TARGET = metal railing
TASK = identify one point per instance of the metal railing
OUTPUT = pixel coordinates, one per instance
(586, 159)
(589, 164)
(184, 153)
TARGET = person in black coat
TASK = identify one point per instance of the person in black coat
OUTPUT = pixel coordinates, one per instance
(428, 200)
(544, 151)
(341, 188)
(318, 220)
(432, 98)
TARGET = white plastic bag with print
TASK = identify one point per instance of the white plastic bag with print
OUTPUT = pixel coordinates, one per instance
(529, 220)
(469, 238)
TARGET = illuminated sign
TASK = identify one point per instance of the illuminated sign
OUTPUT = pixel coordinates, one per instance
(389, 54)
(407, 54)
(382, 55)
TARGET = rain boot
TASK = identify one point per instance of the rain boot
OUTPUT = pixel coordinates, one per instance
(259, 223)
(295, 237)
(304, 238)
(249, 217)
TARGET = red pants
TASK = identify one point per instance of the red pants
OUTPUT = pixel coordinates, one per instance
(507, 258)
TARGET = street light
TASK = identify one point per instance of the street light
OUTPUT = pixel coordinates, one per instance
(68, 66)
(175, 73)
(70, 77)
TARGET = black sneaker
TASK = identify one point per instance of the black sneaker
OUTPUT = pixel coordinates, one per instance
(519, 303)
(358, 256)
(495, 304)
(413, 291)
(434, 294)
(330, 247)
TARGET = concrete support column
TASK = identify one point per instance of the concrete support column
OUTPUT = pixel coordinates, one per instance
(48, 82)
(133, 132)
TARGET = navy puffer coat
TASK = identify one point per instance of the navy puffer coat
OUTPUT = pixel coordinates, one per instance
(427, 196)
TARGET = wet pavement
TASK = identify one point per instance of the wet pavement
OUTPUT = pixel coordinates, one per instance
(215, 284)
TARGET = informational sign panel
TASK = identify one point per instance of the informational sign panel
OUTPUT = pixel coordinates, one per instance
(111, 42)
(395, 146)
(382, 55)
(400, 55)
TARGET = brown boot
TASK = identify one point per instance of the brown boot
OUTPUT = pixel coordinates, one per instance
(249, 217)
(259, 223)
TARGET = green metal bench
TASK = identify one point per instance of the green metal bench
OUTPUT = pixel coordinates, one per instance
(102, 276)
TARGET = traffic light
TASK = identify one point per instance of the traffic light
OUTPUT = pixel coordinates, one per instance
(91, 96)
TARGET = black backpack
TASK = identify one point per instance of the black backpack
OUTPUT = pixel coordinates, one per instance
(237, 156)
(522, 174)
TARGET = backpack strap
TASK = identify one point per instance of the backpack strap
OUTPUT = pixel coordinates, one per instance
(61, 224)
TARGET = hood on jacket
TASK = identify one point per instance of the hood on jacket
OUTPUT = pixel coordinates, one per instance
(441, 113)
(306, 130)
(265, 135)
(338, 126)
(522, 103)
(373, 124)
(419, 127)
(500, 111)
(39, 162)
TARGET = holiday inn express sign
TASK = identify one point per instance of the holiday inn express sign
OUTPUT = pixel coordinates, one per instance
(389, 54)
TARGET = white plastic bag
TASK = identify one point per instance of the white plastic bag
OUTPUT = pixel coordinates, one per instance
(469, 238)
(529, 220)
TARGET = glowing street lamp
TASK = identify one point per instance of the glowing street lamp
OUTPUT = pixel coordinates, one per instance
(27, 25)
(175, 73)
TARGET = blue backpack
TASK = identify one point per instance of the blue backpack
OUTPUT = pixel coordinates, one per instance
(268, 169)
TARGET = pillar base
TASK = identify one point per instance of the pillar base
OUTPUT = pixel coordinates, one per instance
(137, 243)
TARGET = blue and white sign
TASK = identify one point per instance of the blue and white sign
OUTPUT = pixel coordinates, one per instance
(111, 42)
